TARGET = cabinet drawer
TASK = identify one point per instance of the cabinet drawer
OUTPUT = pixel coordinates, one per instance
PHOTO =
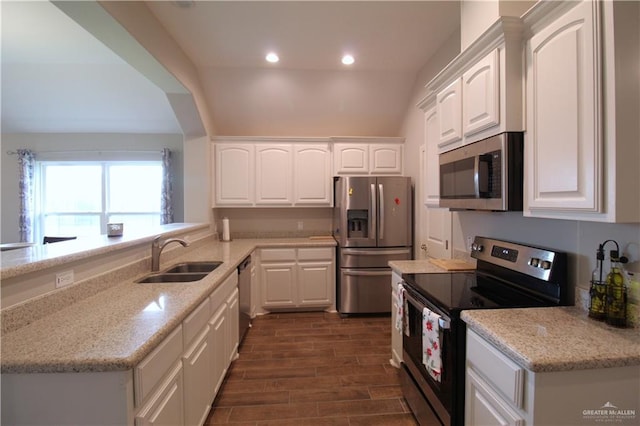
(502, 373)
(316, 253)
(270, 255)
(150, 371)
(195, 321)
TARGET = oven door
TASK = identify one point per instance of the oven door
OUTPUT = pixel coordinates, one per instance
(438, 395)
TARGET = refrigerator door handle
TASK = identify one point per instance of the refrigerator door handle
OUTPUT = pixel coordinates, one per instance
(372, 213)
(352, 252)
(361, 273)
(381, 203)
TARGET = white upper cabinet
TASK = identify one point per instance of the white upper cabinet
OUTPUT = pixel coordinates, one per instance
(479, 94)
(368, 156)
(234, 174)
(351, 159)
(312, 169)
(581, 97)
(432, 164)
(481, 101)
(385, 159)
(274, 173)
(449, 106)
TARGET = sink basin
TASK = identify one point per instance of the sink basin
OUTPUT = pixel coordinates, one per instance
(193, 267)
(165, 277)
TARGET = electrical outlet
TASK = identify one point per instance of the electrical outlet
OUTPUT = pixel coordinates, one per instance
(300, 225)
(64, 278)
(469, 243)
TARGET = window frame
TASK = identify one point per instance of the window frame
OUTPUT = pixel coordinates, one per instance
(104, 214)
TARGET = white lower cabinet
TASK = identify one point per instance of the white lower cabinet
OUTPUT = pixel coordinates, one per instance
(218, 361)
(297, 277)
(166, 405)
(498, 391)
(197, 380)
(233, 311)
(485, 406)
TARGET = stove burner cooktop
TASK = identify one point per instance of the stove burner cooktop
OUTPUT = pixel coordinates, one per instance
(456, 291)
(508, 275)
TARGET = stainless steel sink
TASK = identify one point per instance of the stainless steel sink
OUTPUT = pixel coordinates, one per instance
(193, 267)
(165, 277)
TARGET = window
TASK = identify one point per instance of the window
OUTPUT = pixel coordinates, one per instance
(80, 198)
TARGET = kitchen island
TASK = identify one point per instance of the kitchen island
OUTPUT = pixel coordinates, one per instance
(105, 336)
(549, 366)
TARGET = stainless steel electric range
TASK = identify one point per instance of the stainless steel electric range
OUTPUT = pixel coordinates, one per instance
(508, 275)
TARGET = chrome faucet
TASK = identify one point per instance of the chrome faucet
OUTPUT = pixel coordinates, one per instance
(156, 249)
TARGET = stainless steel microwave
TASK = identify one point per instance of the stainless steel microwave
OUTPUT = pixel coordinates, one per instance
(484, 175)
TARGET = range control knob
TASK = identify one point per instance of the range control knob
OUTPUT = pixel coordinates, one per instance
(477, 247)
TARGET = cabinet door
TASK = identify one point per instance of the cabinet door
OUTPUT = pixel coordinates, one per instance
(235, 175)
(312, 170)
(233, 315)
(481, 100)
(385, 159)
(196, 364)
(218, 348)
(563, 141)
(484, 406)
(165, 407)
(278, 281)
(449, 107)
(274, 172)
(351, 159)
(315, 283)
(432, 165)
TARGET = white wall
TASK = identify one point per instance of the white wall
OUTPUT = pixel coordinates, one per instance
(43, 142)
(477, 16)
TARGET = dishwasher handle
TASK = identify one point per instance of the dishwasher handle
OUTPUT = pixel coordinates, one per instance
(244, 264)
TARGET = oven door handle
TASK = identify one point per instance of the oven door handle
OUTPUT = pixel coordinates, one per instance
(444, 323)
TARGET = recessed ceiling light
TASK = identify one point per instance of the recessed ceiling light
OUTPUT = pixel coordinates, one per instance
(272, 57)
(348, 59)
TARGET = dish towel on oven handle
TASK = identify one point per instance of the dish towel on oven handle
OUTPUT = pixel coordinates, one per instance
(401, 310)
(431, 343)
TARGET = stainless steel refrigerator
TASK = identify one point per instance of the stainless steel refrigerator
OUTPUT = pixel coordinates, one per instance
(373, 224)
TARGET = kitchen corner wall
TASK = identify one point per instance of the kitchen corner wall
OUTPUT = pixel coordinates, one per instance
(275, 222)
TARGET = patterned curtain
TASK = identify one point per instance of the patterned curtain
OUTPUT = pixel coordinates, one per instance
(26, 162)
(166, 203)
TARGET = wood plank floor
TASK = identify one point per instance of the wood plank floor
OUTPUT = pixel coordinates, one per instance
(313, 369)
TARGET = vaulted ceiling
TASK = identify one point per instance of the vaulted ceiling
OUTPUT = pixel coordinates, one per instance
(56, 77)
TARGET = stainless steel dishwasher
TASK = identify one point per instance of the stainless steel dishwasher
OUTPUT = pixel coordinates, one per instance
(244, 296)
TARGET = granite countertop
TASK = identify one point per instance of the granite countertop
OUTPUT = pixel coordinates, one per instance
(116, 328)
(555, 339)
(41, 256)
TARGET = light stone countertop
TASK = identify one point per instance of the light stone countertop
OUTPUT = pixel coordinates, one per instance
(116, 328)
(42, 256)
(555, 339)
